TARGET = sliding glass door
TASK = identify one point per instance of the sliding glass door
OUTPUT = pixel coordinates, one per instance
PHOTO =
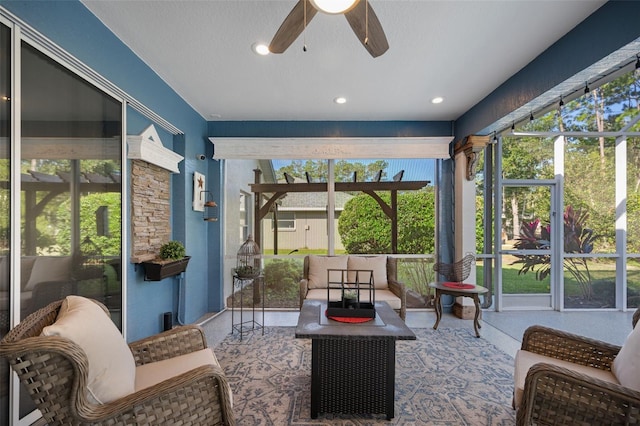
(67, 172)
(70, 185)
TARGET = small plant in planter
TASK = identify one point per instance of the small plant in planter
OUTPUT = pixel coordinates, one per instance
(349, 298)
(173, 250)
(172, 261)
(350, 294)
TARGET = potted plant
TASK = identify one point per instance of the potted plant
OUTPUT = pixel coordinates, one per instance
(172, 261)
(350, 298)
(247, 271)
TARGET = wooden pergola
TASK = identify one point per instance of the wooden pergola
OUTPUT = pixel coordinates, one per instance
(52, 186)
(272, 192)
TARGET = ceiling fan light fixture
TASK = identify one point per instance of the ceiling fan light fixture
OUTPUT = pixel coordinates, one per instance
(333, 7)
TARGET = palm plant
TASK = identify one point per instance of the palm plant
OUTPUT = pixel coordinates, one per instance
(577, 239)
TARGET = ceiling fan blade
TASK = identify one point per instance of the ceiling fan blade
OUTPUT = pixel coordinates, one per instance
(361, 17)
(292, 26)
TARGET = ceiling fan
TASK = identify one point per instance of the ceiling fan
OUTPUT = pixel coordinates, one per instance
(359, 14)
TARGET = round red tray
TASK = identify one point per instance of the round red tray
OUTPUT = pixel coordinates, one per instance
(459, 285)
(353, 320)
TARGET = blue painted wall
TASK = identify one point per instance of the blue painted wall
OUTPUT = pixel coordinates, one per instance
(298, 129)
(70, 25)
(609, 28)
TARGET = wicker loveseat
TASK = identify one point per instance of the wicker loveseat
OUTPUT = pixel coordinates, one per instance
(169, 378)
(563, 378)
(387, 287)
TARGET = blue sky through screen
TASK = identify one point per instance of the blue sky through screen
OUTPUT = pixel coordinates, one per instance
(414, 169)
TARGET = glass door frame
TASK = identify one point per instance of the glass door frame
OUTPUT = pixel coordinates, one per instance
(556, 290)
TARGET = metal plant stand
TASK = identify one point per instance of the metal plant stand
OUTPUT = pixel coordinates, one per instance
(246, 325)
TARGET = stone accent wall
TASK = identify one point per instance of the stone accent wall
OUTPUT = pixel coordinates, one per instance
(150, 210)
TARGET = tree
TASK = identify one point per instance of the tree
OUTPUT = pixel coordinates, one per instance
(343, 170)
(107, 245)
(364, 228)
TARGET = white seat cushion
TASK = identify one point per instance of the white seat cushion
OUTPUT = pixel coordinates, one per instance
(382, 295)
(318, 266)
(525, 360)
(112, 368)
(151, 374)
(626, 366)
(377, 264)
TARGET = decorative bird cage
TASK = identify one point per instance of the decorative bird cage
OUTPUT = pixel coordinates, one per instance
(249, 261)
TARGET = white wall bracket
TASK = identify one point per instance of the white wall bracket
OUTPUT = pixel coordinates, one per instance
(147, 147)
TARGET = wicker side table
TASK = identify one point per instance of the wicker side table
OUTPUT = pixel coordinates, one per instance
(455, 292)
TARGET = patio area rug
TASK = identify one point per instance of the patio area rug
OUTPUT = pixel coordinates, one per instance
(445, 377)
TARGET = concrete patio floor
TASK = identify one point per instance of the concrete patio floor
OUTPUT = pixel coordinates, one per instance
(503, 329)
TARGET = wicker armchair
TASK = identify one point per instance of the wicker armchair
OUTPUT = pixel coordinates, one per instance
(556, 395)
(54, 371)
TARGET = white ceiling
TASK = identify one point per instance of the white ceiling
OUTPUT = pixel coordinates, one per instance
(460, 50)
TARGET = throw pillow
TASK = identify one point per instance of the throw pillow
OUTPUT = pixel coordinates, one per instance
(318, 266)
(112, 369)
(626, 366)
(377, 264)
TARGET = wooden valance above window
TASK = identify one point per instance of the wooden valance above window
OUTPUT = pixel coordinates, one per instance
(330, 148)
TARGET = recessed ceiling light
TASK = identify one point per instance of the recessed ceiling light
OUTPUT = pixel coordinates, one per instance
(437, 100)
(340, 100)
(260, 49)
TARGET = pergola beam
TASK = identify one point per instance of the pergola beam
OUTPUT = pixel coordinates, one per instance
(339, 186)
(278, 190)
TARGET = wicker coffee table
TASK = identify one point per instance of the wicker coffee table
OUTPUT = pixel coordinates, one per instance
(352, 365)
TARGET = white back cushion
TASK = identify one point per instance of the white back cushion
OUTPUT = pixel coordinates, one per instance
(318, 266)
(49, 268)
(377, 264)
(112, 369)
(626, 366)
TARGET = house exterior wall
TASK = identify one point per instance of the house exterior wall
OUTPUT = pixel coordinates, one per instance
(310, 232)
